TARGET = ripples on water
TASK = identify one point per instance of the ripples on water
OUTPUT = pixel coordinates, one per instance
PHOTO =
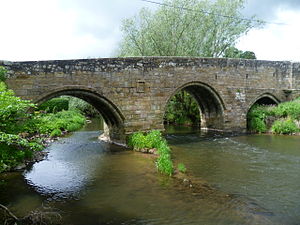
(91, 182)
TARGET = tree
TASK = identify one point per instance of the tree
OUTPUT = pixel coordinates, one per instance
(185, 28)
(233, 52)
(196, 28)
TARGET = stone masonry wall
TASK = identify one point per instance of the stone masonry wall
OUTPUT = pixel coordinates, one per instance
(139, 88)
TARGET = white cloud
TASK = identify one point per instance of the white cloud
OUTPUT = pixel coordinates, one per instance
(68, 29)
(57, 29)
(275, 42)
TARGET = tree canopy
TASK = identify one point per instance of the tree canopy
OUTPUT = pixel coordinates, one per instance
(199, 28)
(233, 52)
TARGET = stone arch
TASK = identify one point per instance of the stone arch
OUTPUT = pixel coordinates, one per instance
(211, 105)
(264, 99)
(109, 111)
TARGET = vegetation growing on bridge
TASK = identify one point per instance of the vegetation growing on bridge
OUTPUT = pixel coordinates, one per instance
(184, 28)
(281, 119)
(155, 140)
(22, 132)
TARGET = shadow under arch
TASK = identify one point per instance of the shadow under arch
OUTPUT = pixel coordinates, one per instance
(109, 111)
(264, 99)
(211, 105)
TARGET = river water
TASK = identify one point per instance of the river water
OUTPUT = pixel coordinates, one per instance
(90, 182)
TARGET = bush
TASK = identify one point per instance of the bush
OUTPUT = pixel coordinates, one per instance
(82, 106)
(55, 105)
(154, 139)
(18, 127)
(2, 74)
(182, 109)
(257, 118)
(181, 168)
(12, 109)
(55, 133)
(284, 127)
(14, 149)
(288, 109)
(286, 112)
(64, 120)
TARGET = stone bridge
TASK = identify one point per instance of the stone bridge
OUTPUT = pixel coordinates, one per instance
(132, 93)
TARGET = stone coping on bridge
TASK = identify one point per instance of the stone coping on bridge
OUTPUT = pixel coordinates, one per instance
(233, 61)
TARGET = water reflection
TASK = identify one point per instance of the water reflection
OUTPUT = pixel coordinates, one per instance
(91, 184)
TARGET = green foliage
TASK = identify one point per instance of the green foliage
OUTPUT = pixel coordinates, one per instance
(154, 139)
(291, 109)
(182, 109)
(286, 113)
(233, 52)
(64, 120)
(181, 168)
(55, 133)
(139, 141)
(285, 126)
(18, 127)
(14, 149)
(84, 107)
(172, 30)
(55, 105)
(2, 74)
(256, 118)
(12, 108)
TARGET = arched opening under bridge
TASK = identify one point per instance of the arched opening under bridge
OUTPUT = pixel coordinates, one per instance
(255, 122)
(196, 104)
(111, 115)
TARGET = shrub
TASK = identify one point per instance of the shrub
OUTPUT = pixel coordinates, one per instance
(14, 149)
(154, 139)
(2, 73)
(291, 109)
(12, 109)
(181, 168)
(73, 126)
(55, 105)
(64, 120)
(284, 127)
(82, 106)
(55, 133)
(256, 118)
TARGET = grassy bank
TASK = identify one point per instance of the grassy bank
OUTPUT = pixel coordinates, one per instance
(281, 119)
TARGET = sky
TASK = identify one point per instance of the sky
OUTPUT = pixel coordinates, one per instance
(72, 29)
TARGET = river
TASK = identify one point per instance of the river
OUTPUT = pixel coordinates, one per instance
(90, 182)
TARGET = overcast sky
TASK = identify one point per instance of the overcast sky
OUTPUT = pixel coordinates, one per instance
(69, 29)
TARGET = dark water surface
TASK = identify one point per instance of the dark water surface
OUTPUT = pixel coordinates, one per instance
(90, 182)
